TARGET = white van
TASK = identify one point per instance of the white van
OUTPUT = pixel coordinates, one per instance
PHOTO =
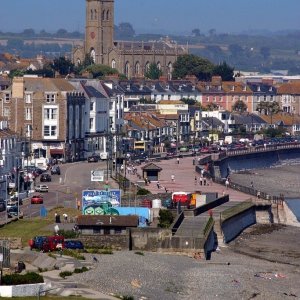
(103, 155)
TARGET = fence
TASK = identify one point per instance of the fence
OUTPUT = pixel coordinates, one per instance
(5, 251)
(252, 191)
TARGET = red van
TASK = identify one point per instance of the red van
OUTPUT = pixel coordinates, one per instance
(53, 243)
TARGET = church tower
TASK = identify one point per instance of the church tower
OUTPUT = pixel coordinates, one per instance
(99, 31)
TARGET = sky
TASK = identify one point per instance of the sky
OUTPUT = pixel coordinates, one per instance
(152, 16)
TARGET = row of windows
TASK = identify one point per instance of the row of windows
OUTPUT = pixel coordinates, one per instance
(105, 16)
(49, 97)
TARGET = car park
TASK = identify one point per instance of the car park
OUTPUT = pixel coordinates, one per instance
(45, 177)
(42, 188)
(55, 170)
(37, 199)
(73, 244)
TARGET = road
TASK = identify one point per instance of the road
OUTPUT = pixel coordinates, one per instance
(65, 188)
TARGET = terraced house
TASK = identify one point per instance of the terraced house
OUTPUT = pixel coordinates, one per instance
(48, 112)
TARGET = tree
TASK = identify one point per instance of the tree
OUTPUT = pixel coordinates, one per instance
(235, 50)
(166, 218)
(28, 32)
(265, 52)
(189, 101)
(62, 33)
(212, 106)
(239, 106)
(125, 31)
(62, 65)
(212, 32)
(99, 71)
(196, 32)
(225, 71)
(189, 64)
(268, 108)
(154, 72)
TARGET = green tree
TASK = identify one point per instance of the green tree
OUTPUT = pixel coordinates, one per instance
(212, 106)
(166, 218)
(225, 71)
(189, 64)
(196, 32)
(189, 101)
(239, 106)
(154, 72)
(62, 65)
(62, 33)
(28, 32)
(100, 71)
(16, 73)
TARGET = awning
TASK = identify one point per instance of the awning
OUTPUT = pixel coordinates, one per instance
(56, 151)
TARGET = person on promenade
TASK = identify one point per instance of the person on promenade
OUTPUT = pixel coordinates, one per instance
(173, 178)
(158, 184)
(178, 160)
(204, 180)
(196, 180)
(201, 180)
(227, 183)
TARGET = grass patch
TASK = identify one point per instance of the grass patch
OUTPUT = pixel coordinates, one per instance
(139, 253)
(73, 253)
(28, 228)
(100, 251)
(230, 212)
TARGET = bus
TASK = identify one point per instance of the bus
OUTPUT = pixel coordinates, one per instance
(142, 146)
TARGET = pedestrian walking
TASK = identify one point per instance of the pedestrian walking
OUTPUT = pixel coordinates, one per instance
(196, 180)
(227, 183)
(158, 185)
(201, 180)
(78, 203)
(173, 178)
(178, 160)
(65, 217)
(204, 181)
(166, 190)
(194, 161)
(252, 185)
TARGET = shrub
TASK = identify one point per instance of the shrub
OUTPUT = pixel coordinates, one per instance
(64, 274)
(100, 250)
(81, 270)
(68, 234)
(139, 253)
(142, 192)
(18, 279)
(166, 218)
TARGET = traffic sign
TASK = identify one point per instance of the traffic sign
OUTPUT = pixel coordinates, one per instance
(97, 175)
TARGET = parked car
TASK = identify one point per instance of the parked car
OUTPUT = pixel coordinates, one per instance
(37, 242)
(37, 199)
(55, 170)
(42, 188)
(45, 177)
(73, 244)
(14, 211)
(53, 243)
(93, 158)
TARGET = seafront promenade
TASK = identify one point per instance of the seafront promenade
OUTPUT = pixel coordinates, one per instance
(184, 179)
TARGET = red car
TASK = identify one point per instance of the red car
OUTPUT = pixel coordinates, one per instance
(37, 199)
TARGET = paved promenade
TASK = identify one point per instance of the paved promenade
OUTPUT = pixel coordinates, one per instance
(184, 179)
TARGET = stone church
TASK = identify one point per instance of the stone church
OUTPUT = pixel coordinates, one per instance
(129, 58)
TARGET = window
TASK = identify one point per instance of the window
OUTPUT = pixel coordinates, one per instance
(50, 131)
(6, 112)
(113, 64)
(91, 123)
(118, 231)
(50, 98)
(106, 231)
(28, 98)
(50, 113)
(92, 105)
(27, 114)
(7, 97)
